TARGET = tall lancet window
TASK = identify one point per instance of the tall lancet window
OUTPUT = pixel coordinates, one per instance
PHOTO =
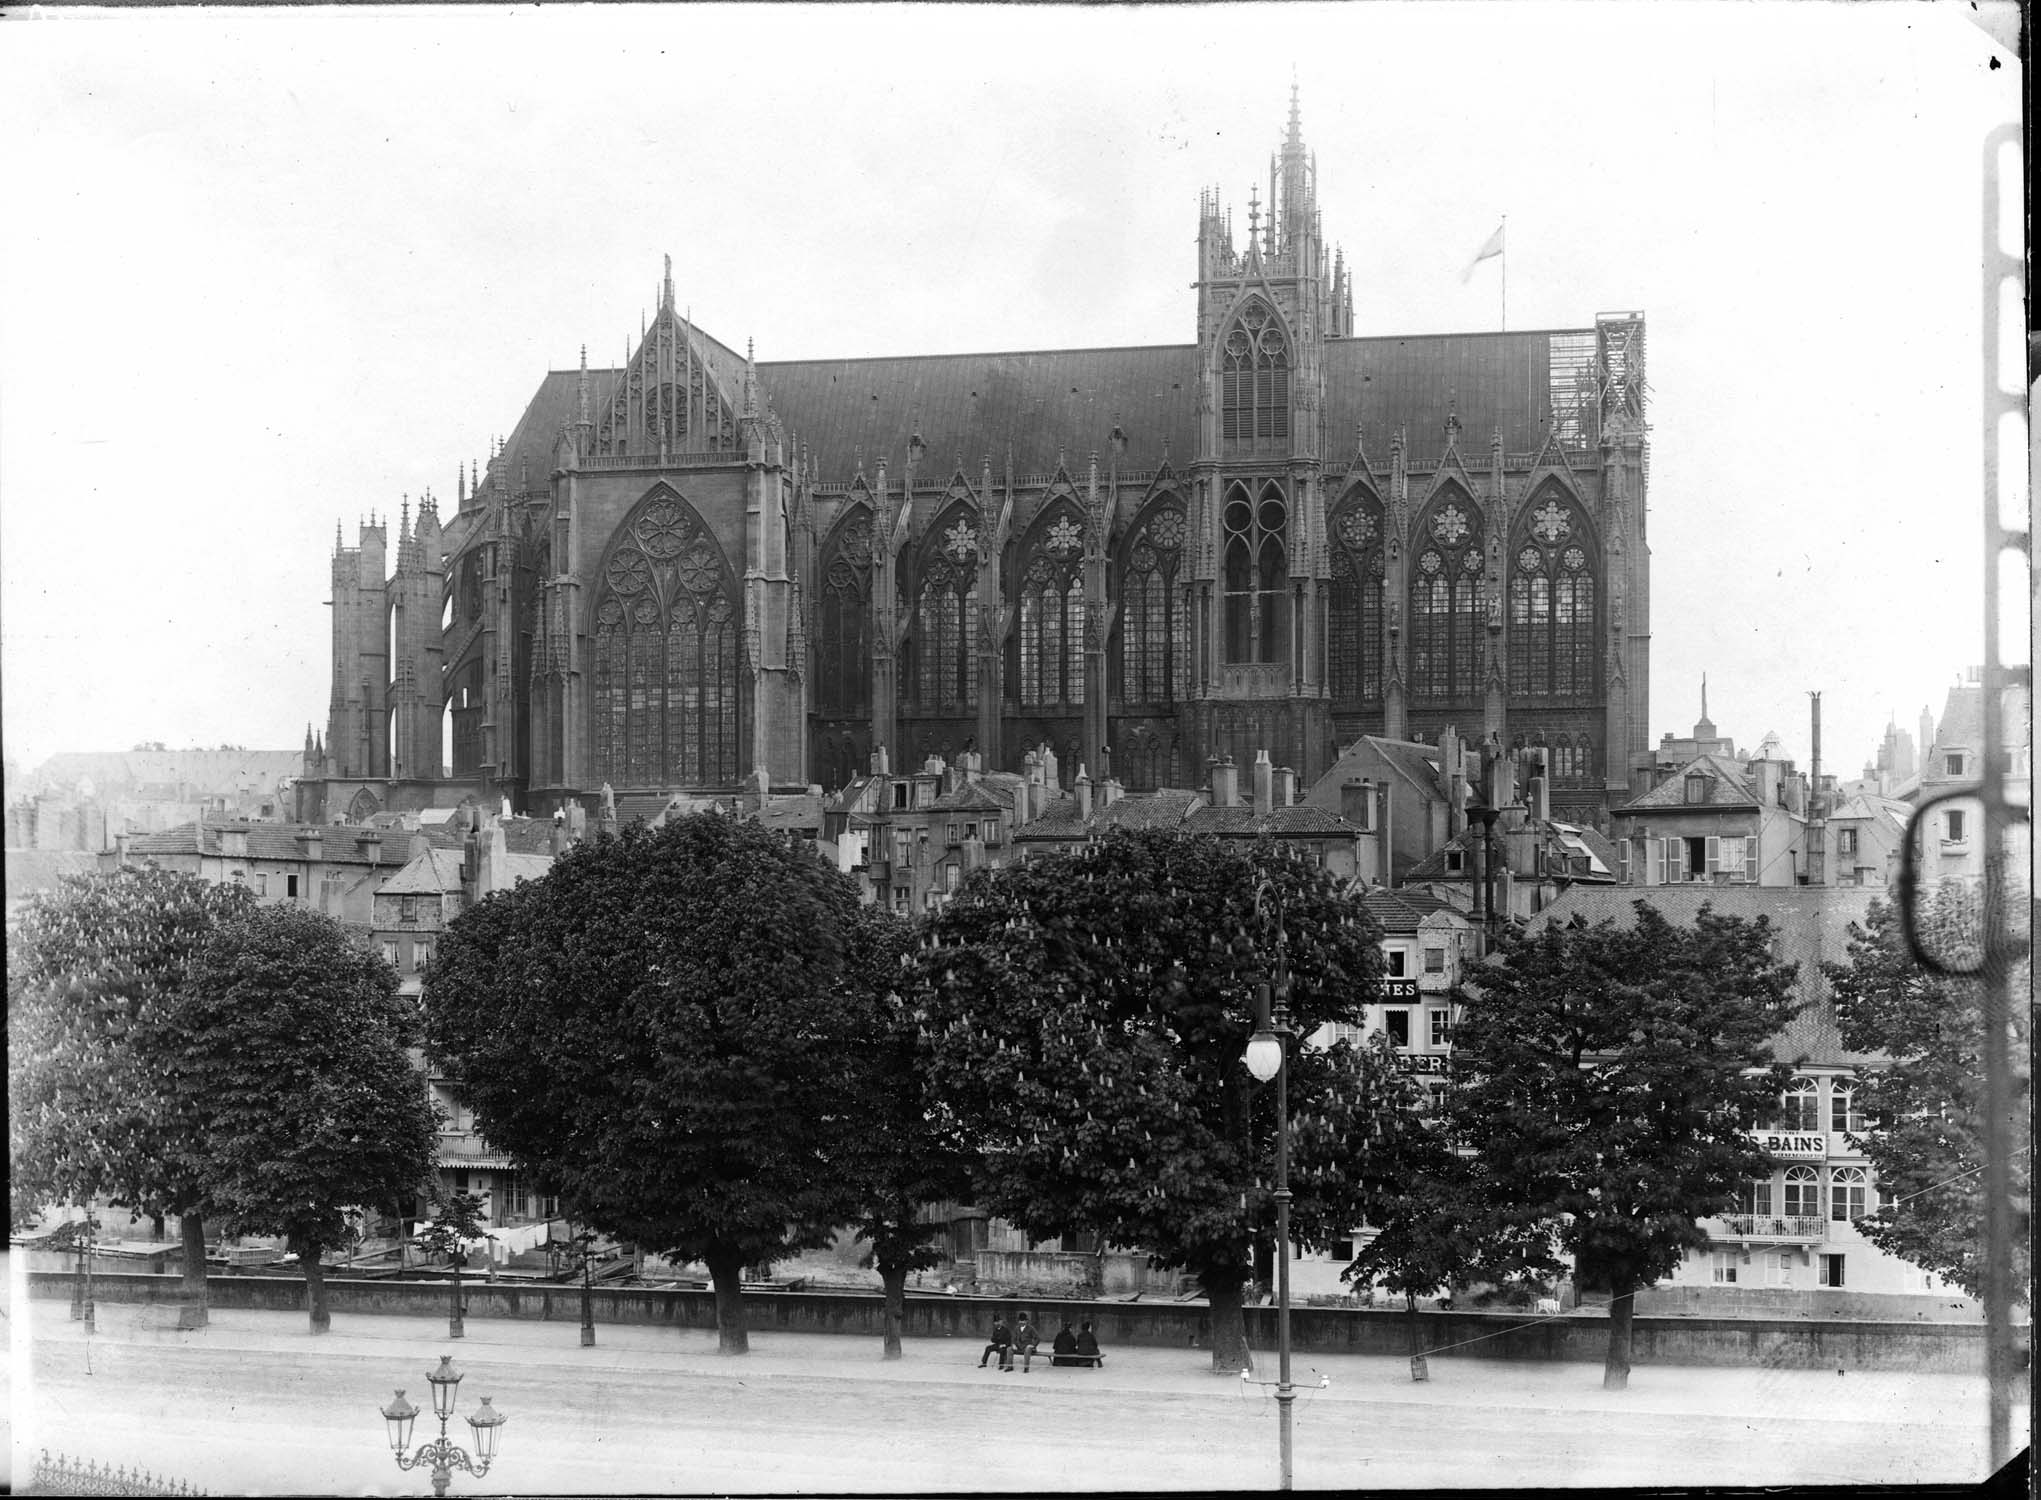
(667, 690)
(946, 616)
(1552, 602)
(1257, 572)
(843, 644)
(1355, 638)
(1154, 634)
(1446, 613)
(1254, 377)
(1052, 611)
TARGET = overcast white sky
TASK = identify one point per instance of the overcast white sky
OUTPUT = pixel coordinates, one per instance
(268, 268)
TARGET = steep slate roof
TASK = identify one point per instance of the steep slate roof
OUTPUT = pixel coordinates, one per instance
(968, 407)
(432, 873)
(1295, 821)
(520, 835)
(1813, 926)
(1731, 788)
(982, 795)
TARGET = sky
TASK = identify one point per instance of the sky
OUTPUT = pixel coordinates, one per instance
(263, 271)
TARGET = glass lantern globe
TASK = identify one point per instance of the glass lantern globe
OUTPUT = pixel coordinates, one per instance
(400, 1414)
(445, 1382)
(1264, 1055)
(488, 1427)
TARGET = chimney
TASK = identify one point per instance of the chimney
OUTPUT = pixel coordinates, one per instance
(1113, 791)
(418, 845)
(1052, 776)
(1356, 802)
(1083, 796)
(1264, 784)
(1541, 799)
(1225, 783)
(879, 767)
(1286, 786)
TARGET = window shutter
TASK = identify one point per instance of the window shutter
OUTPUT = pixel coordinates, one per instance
(1673, 853)
(1750, 858)
(1714, 854)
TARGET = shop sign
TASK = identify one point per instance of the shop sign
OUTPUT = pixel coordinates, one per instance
(1421, 1062)
(1801, 1145)
(1399, 989)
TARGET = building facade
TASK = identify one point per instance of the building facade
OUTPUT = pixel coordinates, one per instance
(701, 571)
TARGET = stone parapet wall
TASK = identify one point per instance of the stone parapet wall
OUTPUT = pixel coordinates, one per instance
(1772, 1343)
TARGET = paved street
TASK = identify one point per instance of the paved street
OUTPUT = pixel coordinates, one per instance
(257, 1405)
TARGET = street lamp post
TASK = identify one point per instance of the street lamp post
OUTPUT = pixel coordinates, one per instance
(1267, 1051)
(586, 1241)
(444, 1455)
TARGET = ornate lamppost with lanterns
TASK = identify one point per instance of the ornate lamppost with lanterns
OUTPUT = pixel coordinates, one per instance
(1267, 1051)
(444, 1455)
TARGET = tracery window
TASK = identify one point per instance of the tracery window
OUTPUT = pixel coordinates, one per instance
(666, 689)
(1254, 377)
(843, 646)
(1355, 638)
(1552, 605)
(1257, 573)
(1154, 630)
(1052, 613)
(1445, 603)
(946, 616)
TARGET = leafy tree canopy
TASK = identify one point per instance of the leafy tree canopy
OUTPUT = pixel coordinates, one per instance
(299, 1052)
(663, 1029)
(96, 982)
(1924, 1107)
(1086, 1016)
(1606, 1077)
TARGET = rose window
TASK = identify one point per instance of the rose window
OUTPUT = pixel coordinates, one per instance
(1357, 529)
(1550, 523)
(1531, 559)
(1431, 562)
(1063, 537)
(1450, 524)
(961, 541)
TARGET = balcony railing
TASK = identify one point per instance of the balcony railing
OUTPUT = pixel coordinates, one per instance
(1793, 1229)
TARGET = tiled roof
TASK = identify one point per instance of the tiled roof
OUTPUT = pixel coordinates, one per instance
(339, 843)
(1731, 788)
(978, 796)
(1417, 764)
(32, 870)
(1039, 403)
(1295, 821)
(1564, 838)
(1813, 925)
(432, 873)
(520, 835)
(1398, 912)
(1059, 820)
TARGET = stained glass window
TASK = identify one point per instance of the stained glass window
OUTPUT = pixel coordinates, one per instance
(1052, 614)
(946, 616)
(1552, 605)
(843, 645)
(1257, 572)
(1446, 605)
(667, 694)
(1254, 377)
(1154, 641)
(1355, 639)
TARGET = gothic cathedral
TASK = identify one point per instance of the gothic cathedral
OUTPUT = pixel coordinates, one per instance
(705, 572)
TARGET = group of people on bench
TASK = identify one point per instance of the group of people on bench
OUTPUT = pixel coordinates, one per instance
(1080, 1348)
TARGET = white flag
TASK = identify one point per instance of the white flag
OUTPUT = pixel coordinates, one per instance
(1491, 247)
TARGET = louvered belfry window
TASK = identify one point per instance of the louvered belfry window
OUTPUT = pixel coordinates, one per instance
(1254, 377)
(666, 646)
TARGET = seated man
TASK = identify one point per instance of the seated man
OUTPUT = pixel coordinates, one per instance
(1025, 1342)
(1087, 1346)
(999, 1344)
(1065, 1346)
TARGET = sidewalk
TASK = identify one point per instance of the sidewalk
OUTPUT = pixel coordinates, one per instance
(820, 1412)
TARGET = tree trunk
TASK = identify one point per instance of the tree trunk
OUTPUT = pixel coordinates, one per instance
(1411, 1322)
(1616, 1370)
(192, 1311)
(155, 1227)
(726, 1271)
(895, 1279)
(1229, 1327)
(315, 1286)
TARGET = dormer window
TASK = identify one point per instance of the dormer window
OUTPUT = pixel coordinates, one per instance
(1954, 762)
(1697, 788)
